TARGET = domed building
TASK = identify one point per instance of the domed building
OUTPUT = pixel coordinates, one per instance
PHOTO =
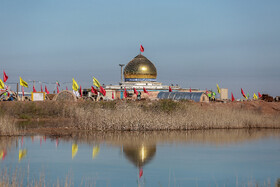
(139, 74)
(140, 69)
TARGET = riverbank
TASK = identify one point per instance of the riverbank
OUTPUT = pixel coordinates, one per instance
(62, 118)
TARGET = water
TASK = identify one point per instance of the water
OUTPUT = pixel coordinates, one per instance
(194, 158)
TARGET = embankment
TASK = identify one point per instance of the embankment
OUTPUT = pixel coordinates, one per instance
(63, 117)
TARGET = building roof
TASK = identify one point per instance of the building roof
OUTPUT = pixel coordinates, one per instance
(140, 69)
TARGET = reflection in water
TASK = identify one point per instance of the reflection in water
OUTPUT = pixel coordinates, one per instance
(21, 154)
(95, 151)
(142, 149)
(3, 154)
(139, 155)
(74, 150)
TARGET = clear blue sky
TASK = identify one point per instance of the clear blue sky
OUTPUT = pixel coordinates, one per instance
(192, 43)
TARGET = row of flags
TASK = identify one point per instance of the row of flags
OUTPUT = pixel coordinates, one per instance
(76, 87)
(243, 94)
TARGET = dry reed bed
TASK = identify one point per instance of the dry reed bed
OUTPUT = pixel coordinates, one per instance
(7, 126)
(167, 115)
(134, 116)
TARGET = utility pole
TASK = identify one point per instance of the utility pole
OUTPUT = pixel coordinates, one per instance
(121, 65)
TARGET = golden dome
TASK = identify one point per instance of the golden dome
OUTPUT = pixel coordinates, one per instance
(140, 69)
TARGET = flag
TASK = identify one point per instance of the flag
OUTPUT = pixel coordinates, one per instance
(170, 90)
(141, 48)
(46, 90)
(93, 90)
(255, 96)
(190, 89)
(113, 97)
(66, 88)
(232, 98)
(260, 95)
(75, 86)
(102, 91)
(41, 88)
(140, 172)
(135, 91)
(81, 92)
(74, 150)
(145, 91)
(218, 89)
(5, 77)
(22, 82)
(57, 83)
(34, 90)
(2, 85)
(57, 89)
(95, 82)
(125, 93)
(242, 92)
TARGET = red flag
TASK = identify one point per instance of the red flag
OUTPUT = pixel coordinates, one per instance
(135, 91)
(94, 91)
(41, 88)
(242, 92)
(5, 77)
(8, 94)
(232, 98)
(81, 93)
(66, 88)
(46, 90)
(145, 91)
(170, 90)
(260, 95)
(113, 97)
(102, 91)
(34, 90)
(140, 172)
(57, 89)
(190, 89)
(22, 91)
(141, 48)
(125, 93)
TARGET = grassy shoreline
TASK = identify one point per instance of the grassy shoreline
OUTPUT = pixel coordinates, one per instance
(64, 117)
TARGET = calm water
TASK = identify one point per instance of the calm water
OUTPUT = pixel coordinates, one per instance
(195, 158)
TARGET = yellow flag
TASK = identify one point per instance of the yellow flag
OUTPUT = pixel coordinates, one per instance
(218, 89)
(75, 86)
(74, 150)
(21, 154)
(23, 83)
(2, 86)
(95, 82)
(255, 96)
(95, 151)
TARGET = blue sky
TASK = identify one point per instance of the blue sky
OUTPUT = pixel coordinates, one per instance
(192, 43)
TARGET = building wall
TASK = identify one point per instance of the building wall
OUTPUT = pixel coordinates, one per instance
(224, 93)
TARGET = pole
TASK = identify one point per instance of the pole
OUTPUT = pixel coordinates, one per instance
(121, 65)
(17, 89)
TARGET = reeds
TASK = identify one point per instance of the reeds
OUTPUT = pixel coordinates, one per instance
(167, 115)
(138, 116)
(7, 126)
